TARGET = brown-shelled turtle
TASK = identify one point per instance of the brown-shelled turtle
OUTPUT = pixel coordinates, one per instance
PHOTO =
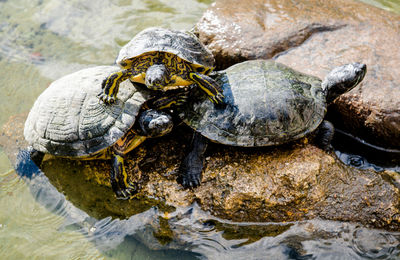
(267, 103)
(69, 120)
(163, 59)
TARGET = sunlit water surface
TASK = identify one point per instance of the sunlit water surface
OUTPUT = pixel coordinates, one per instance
(42, 40)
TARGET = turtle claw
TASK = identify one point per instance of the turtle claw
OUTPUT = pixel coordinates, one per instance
(220, 98)
(217, 99)
(128, 192)
(189, 180)
(106, 98)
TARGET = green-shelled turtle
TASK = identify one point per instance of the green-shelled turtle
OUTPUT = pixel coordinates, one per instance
(267, 103)
(163, 59)
(69, 120)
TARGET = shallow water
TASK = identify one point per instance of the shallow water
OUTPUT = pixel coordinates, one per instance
(389, 5)
(41, 40)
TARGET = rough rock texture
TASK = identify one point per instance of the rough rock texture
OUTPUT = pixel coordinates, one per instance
(287, 183)
(314, 36)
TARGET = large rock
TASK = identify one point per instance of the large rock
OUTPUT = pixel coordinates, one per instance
(287, 183)
(313, 36)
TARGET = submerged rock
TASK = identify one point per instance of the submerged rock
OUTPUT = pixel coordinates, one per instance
(278, 184)
(314, 36)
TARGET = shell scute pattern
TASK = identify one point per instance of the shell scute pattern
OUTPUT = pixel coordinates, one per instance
(57, 123)
(181, 44)
(267, 104)
(68, 119)
(92, 117)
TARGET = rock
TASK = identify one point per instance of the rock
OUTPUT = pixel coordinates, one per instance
(277, 184)
(314, 36)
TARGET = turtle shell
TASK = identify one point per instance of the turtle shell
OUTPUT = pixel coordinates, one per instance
(68, 119)
(268, 103)
(185, 45)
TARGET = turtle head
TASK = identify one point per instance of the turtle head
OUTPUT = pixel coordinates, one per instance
(342, 79)
(156, 77)
(154, 123)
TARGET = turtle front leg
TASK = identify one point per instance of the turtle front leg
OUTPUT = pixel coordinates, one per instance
(110, 85)
(324, 135)
(192, 165)
(209, 86)
(120, 181)
(120, 184)
(152, 123)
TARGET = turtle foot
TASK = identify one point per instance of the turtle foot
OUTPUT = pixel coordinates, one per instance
(189, 180)
(192, 164)
(106, 98)
(121, 184)
(217, 99)
(125, 192)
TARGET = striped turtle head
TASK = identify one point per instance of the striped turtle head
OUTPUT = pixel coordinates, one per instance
(157, 77)
(154, 123)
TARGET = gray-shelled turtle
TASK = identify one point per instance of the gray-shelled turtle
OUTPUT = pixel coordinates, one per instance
(267, 103)
(163, 59)
(69, 120)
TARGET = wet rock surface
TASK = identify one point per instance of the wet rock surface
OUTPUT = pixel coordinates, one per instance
(314, 36)
(277, 184)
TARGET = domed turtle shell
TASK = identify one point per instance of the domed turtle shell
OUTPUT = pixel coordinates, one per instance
(185, 45)
(68, 119)
(267, 104)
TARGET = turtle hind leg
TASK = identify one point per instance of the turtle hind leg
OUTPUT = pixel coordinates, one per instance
(324, 135)
(192, 165)
(209, 86)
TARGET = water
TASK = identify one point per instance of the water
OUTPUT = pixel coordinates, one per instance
(41, 40)
(389, 5)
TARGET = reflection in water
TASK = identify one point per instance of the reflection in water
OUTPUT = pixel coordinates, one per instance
(173, 233)
(358, 153)
(114, 238)
(40, 41)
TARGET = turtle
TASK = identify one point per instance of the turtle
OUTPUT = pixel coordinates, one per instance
(266, 103)
(163, 59)
(68, 120)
